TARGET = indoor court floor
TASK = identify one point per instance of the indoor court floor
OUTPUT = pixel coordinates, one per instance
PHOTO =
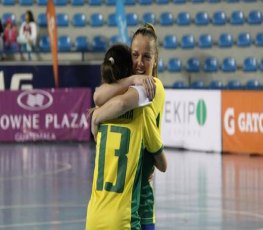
(46, 186)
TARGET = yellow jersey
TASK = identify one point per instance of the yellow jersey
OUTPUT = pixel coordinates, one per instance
(115, 197)
(147, 204)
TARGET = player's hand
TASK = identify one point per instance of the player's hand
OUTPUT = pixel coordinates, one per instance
(148, 83)
(94, 126)
(150, 178)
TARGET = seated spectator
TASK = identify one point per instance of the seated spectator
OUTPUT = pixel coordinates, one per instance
(10, 35)
(28, 33)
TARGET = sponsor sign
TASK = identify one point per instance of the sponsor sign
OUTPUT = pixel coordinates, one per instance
(45, 115)
(41, 76)
(191, 120)
(242, 121)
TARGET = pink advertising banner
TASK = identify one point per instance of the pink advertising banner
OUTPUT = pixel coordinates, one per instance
(45, 115)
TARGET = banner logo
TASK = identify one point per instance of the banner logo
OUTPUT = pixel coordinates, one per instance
(201, 112)
(35, 100)
(249, 122)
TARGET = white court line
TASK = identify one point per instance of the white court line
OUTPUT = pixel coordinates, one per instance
(223, 211)
(65, 167)
(42, 206)
(34, 224)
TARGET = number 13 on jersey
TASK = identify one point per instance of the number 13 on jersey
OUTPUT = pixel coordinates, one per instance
(120, 153)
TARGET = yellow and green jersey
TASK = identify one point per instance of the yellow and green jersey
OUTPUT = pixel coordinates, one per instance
(116, 188)
(147, 207)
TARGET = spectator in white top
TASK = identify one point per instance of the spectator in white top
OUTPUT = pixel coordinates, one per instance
(28, 33)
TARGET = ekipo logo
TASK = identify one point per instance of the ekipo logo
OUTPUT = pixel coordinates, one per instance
(35, 100)
(186, 112)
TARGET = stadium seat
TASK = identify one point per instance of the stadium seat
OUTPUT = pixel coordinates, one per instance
(99, 43)
(161, 66)
(259, 39)
(62, 20)
(193, 65)
(162, 2)
(243, 39)
(44, 43)
(96, 20)
(26, 2)
(129, 2)
(64, 43)
(8, 15)
(205, 41)
(112, 20)
(110, 2)
(183, 19)
(95, 2)
(210, 64)
(170, 41)
(79, 20)
(179, 85)
(254, 17)
(41, 2)
(198, 1)
(132, 19)
(77, 2)
(174, 65)
(201, 18)
(261, 65)
(234, 84)
(198, 84)
(22, 18)
(219, 18)
(237, 17)
(253, 84)
(60, 2)
(8, 2)
(179, 1)
(250, 64)
(229, 64)
(81, 43)
(166, 19)
(42, 20)
(214, 1)
(149, 17)
(225, 40)
(216, 84)
(188, 41)
(145, 2)
(114, 39)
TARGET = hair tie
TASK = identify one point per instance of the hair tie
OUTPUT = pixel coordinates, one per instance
(111, 59)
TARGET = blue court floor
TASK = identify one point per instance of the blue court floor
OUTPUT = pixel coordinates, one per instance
(46, 186)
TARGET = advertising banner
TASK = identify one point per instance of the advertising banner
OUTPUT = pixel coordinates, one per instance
(242, 121)
(45, 115)
(192, 119)
(18, 76)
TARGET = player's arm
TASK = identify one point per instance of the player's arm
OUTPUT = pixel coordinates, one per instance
(153, 140)
(160, 161)
(117, 106)
(106, 91)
